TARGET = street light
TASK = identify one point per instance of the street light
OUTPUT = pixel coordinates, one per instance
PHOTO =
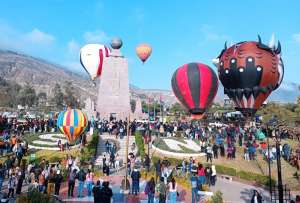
(273, 123)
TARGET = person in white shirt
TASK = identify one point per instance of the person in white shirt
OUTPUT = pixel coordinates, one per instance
(213, 175)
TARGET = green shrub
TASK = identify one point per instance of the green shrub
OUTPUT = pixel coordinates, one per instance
(217, 197)
(34, 196)
(139, 141)
(258, 178)
(226, 170)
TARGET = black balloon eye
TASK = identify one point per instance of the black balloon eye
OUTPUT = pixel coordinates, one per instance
(241, 70)
(233, 61)
(259, 68)
(250, 60)
(226, 71)
(221, 63)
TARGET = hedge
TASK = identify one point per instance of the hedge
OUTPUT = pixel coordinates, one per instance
(139, 141)
(225, 170)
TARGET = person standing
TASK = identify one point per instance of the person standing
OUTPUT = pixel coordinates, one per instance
(89, 181)
(135, 176)
(173, 191)
(81, 178)
(11, 185)
(106, 193)
(150, 190)
(71, 182)
(201, 175)
(96, 192)
(161, 188)
(20, 179)
(51, 182)
(194, 183)
(42, 182)
(58, 180)
(213, 175)
(209, 153)
(208, 173)
(2, 175)
(256, 198)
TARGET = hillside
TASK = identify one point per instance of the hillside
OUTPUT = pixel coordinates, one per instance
(43, 75)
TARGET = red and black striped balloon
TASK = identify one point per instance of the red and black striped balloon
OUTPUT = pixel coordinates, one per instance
(195, 85)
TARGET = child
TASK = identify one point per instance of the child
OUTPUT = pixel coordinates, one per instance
(12, 181)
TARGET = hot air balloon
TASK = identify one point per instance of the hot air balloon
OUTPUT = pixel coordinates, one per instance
(143, 51)
(195, 85)
(92, 57)
(72, 123)
(249, 72)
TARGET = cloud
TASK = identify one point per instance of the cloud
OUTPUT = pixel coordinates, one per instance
(210, 35)
(296, 37)
(36, 36)
(32, 41)
(73, 47)
(97, 36)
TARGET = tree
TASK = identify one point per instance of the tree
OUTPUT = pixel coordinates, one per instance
(132, 105)
(58, 97)
(27, 96)
(297, 108)
(70, 98)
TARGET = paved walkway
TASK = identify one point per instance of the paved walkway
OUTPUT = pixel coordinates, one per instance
(233, 192)
(101, 149)
(115, 182)
(236, 192)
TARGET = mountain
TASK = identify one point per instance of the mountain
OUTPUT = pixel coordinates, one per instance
(43, 75)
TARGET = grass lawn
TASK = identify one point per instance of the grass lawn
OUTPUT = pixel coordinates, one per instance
(259, 166)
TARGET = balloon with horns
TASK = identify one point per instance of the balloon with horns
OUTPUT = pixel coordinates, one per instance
(195, 85)
(249, 72)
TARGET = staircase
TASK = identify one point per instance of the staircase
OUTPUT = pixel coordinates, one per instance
(101, 150)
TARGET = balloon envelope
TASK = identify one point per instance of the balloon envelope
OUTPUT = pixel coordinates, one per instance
(92, 57)
(249, 72)
(143, 51)
(72, 123)
(195, 85)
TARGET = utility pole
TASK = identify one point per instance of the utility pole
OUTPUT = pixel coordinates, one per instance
(126, 150)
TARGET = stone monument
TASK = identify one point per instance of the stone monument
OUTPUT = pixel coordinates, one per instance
(113, 95)
(89, 108)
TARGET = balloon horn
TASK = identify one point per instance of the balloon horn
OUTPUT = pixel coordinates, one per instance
(216, 61)
(259, 40)
(278, 49)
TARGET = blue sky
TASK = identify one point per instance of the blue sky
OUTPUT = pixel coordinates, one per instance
(179, 31)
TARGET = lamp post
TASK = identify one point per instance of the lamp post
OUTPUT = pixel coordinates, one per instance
(273, 122)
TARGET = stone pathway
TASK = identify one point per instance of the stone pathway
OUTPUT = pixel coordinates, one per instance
(101, 150)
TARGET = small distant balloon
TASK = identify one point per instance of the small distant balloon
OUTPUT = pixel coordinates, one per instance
(92, 57)
(72, 123)
(143, 51)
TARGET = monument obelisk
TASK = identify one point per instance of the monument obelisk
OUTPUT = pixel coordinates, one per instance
(113, 95)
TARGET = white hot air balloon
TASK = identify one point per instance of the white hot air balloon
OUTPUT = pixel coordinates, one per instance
(92, 57)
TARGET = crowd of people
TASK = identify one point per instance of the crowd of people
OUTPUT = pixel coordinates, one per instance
(215, 140)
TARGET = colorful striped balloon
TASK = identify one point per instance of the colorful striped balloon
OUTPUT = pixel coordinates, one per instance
(72, 123)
